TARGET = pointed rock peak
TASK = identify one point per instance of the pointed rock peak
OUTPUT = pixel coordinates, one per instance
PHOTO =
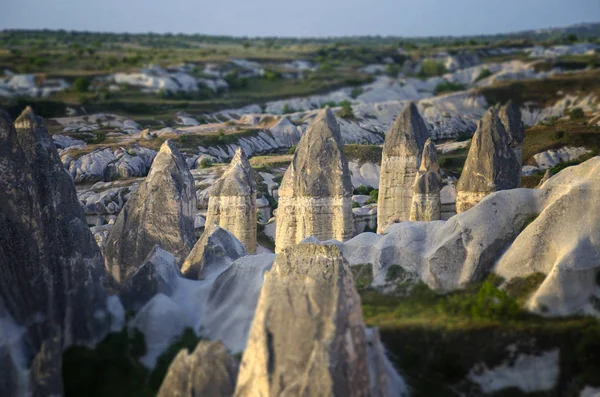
(510, 115)
(407, 135)
(325, 123)
(169, 147)
(429, 160)
(237, 180)
(27, 119)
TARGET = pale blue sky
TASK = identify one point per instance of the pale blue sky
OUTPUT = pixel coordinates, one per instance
(298, 18)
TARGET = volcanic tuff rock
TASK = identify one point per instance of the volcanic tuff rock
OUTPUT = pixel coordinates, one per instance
(216, 249)
(161, 213)
(315, 196)
(399, 164)
(51, 267)
(324, 353)
(232, 202)
(426, 204)
(207, 371)
(510, 116)
(491, 164)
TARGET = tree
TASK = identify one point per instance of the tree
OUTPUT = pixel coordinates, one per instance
(81, 84)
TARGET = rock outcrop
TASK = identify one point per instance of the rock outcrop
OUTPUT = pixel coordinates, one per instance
(161, 213)
(216, 249)
(315, 196)
(207, 371)
(324, 353)
(400, 162)
(426, 204)
(232, 202)
(51, 267)
(491, 164)
(510, 116)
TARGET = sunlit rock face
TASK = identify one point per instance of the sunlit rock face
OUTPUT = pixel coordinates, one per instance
(51, 267)
(510, 116)
(491, 164)
(161, 213)
(315, 197)
(232, 202)
(426, 204)
(324, 352)
(400, 162)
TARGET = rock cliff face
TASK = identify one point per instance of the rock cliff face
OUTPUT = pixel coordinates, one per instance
(232, 202)
(315, 197)
(207, 371)
(324, 353)
(400, 162)
(51, 267)
(510, 116)
(161, 213)
(426, 204)
(491, 164)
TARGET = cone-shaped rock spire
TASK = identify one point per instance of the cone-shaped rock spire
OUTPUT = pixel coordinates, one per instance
(426, 204)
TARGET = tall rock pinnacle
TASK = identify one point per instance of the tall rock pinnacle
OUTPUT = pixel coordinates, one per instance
(324, 352)
(426, 204)
(315, 197)
(51, 268)
(510, 116)
(491, 164)
(400, 162)
(232, 202)
(161, 213)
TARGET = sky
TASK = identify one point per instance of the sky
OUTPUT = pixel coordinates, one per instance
(301, 18)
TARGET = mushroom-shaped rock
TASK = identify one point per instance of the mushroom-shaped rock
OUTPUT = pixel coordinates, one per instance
(426, 204)
(315, 196)
(158, 274)
(161, 213)
(232, 201)
(400, 161)
(207, 371)
(324, 352)
(216, 249)
(491, 164)
(510, 116)
(51, 266)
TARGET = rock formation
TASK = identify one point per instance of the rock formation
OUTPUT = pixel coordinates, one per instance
(315, 197)
(216, 249)
(207, 371)
(232, 202)
(400, 162)
(510, 116)
(491, 164)
(52, 271)
(324, 353)
(426, 204)
(161, 213)
(157, 275)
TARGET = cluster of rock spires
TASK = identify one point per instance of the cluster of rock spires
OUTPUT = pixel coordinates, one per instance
(400, 163)
(315, 196)
(491, 164)
(51, 289)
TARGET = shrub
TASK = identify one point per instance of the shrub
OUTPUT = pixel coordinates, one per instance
(292, 149)
(346, 111)
(81, 84)
(272, 75)
(205, 163)
(287, 109)
(356, 91)
(432, 68)
(559, 134)
(363, 190)
(373, 196)
(355, 204)
(448, 86)
(576, 114)
(463, 136)
(485, 72)
(221, 134)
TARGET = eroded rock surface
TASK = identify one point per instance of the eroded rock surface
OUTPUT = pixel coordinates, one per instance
(426, 204)
(161, 213)
(51, 267)
(232, 202)
(510, 116)
(491, 164)
(400, 162)
(315, 196)
(324, 353)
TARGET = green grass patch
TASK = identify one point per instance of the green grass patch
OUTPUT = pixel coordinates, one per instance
(363, 153)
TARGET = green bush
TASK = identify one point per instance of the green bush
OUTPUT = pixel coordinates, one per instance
(485, 72)
(81, 84)
(392, 70)
(364, 190)
(272, 75)
(448, 86)
(463, 136)
(356, 91)
(205, 163)
(374, 196)
(432, 68)
(292, 149)
(576, 114)
(346, 111)
(287, 109)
